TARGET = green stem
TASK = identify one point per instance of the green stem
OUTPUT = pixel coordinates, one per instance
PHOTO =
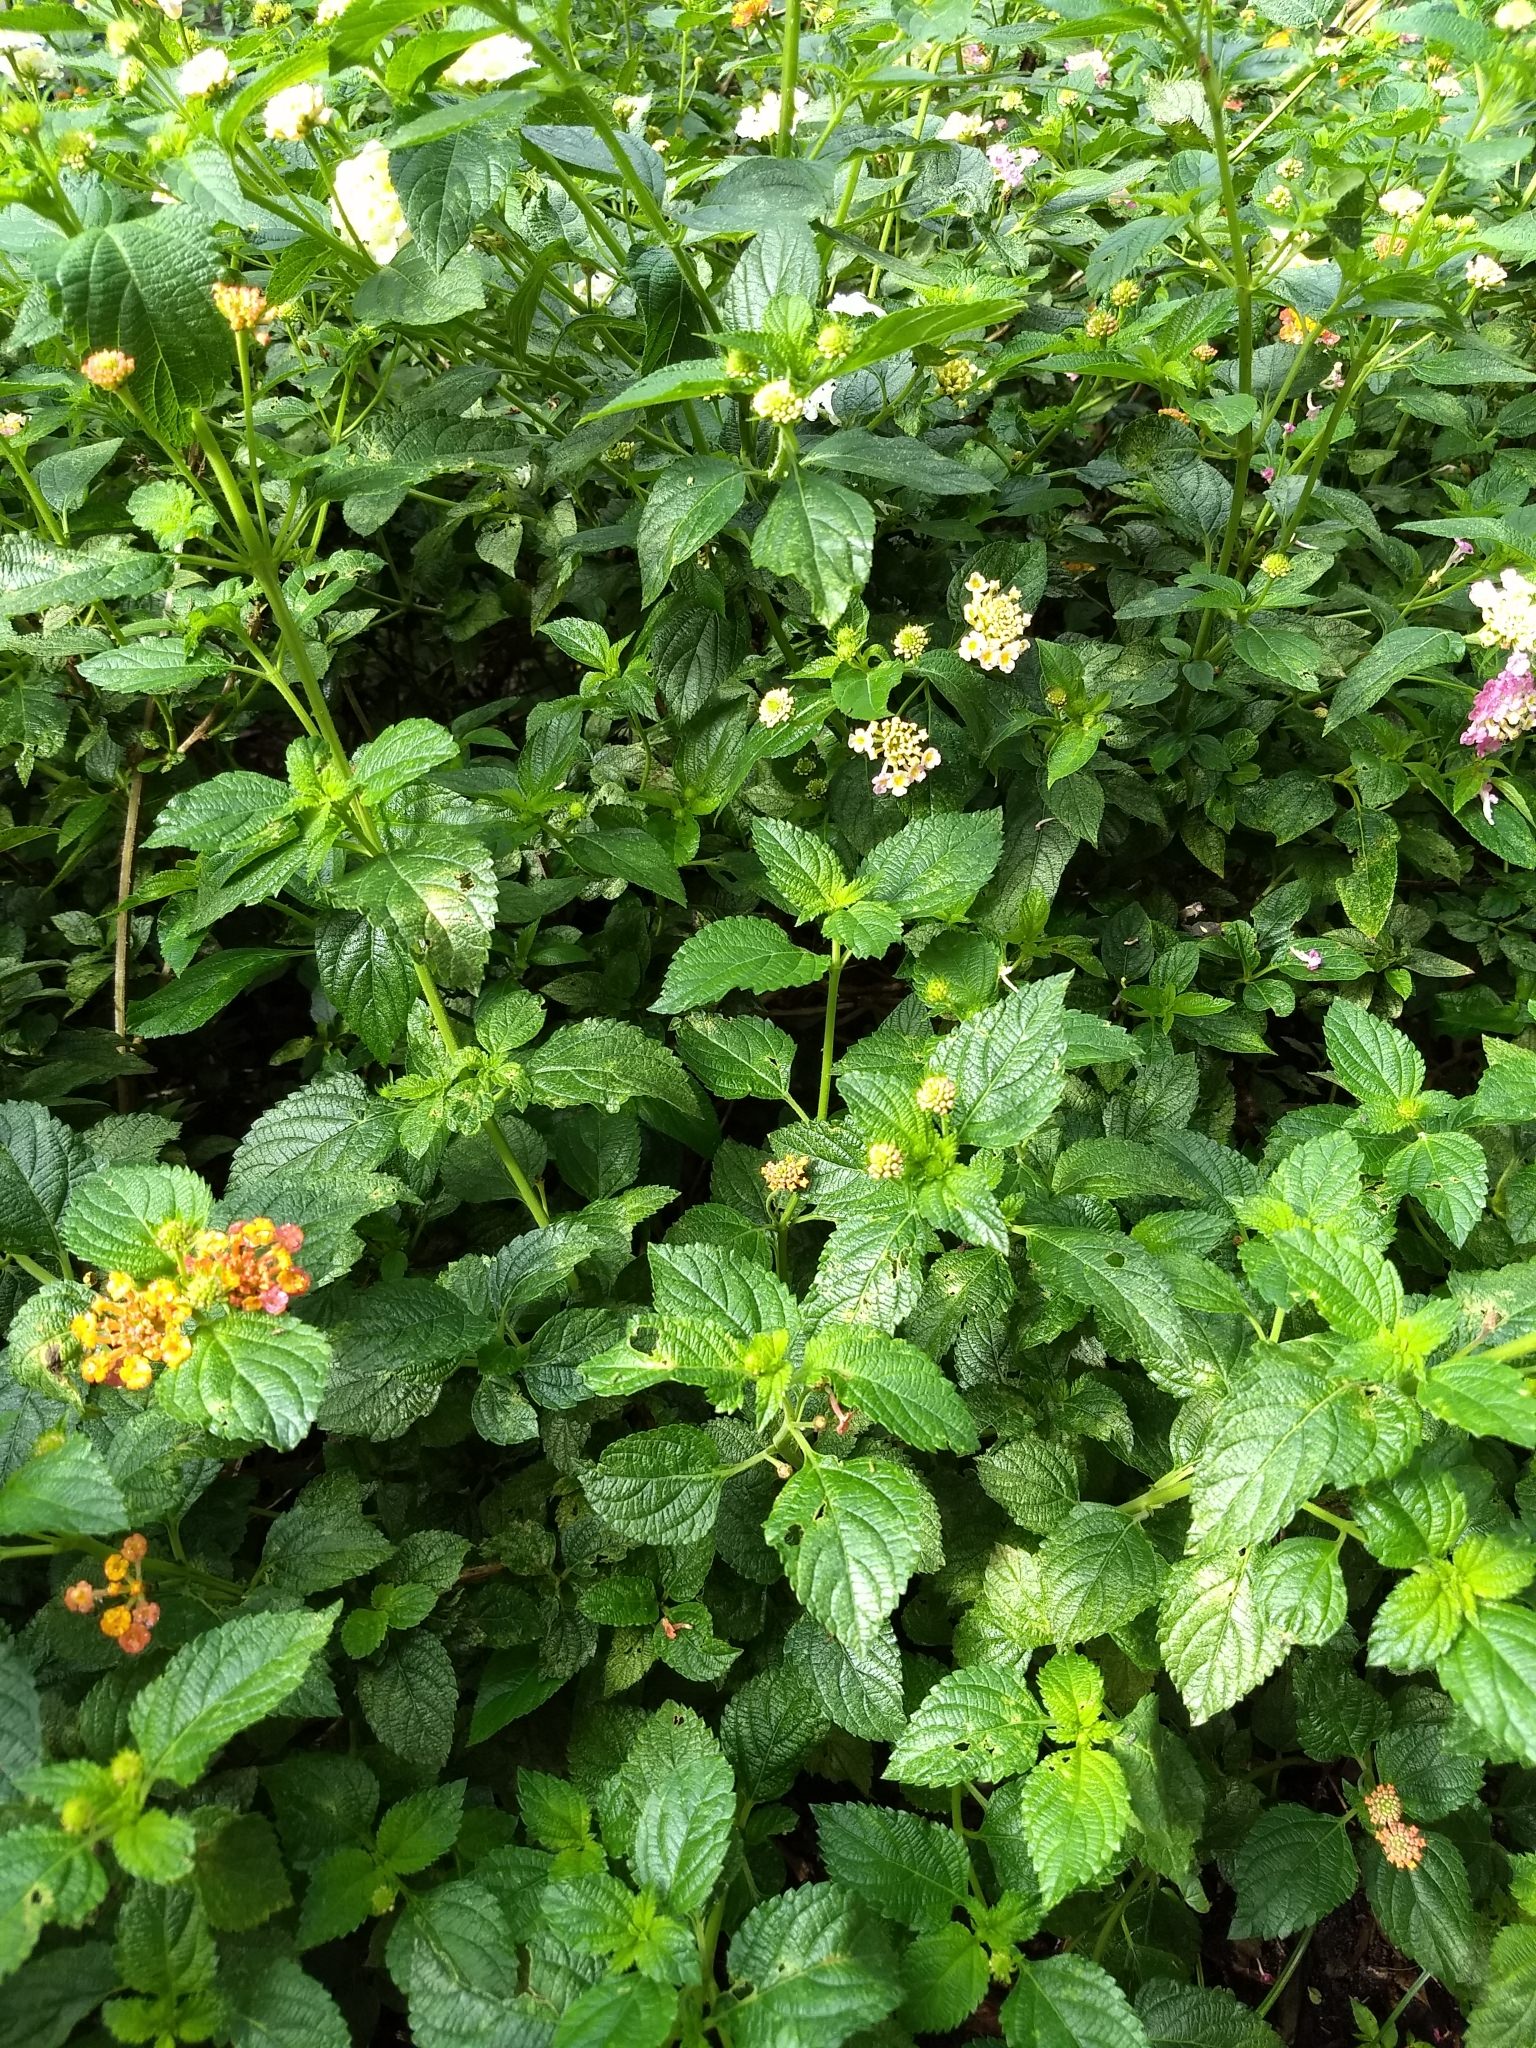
(31, 1266)
(789, 79)
(1174, 1485)
(829, 1033)
(1272, 1996)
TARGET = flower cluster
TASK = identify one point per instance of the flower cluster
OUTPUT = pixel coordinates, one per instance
(1503, 709)
(251, 1265)
(779, 402)
(244, 306)
(787, 1176)
(365, 204)
(127, 1617)
(204, 74)
(902, 750)
(884, 1161)
(1485, 273)
(910, 643)
(1094, 62)
(295, 112)
(955, 376)
(106, 368)
(490, 61)
(760, 121)
(1401, 1843)
(1010, 166)
(1509, 611)
(1296, 328)
(997, 621)
(774, 707)
(26, 58)
(936, 1095)
(130, 1330)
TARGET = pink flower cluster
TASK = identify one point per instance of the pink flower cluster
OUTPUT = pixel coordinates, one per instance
(1504, 708)
(1010, 165)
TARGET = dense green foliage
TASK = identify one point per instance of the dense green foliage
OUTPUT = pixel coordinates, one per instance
(764, 784)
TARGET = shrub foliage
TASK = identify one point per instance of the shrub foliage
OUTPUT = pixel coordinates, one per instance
(764, 788)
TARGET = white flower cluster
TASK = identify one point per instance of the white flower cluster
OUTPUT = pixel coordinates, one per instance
(760, 121)
(25, 58)
(853, 306)
(365, 204)
(204, 74)
(1509, 611)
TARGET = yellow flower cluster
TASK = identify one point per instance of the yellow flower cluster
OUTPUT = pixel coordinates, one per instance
(106, 368)
(1400, 1841)
(936, 1095)
(243, 305)
(787, 1176)
(885, 1162)
(130, 1330)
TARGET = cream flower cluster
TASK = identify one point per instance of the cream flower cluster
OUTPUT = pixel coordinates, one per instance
(295, 112)
(26, 58)
(204, 74)
(997, 621)
(491, 61)
(365, 204)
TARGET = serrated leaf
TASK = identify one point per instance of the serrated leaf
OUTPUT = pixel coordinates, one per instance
(1448, 1173)
(895, 1382)
(936, 866)
(66, 1491)
(1294, 1866)
(223, 1682)
(978, 1724)
(735, 953)
(821, 536)
(1098, 1571)
(684, 508)
(849, 1536)
(1069, 2002)
(657, 1486)
(683, 1832)
(1216, 1640)
(1008, 1064)
(1377, 1064)
(253, 1377)
(1271, 1443)
(1075, 1809)
(908, 1869)
(1427, 1911)
(1490, 1672)
(803, 872)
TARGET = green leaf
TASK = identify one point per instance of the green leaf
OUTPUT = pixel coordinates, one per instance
(1448, 1173)
(366, 973)
(448, 185)
(253, 1377)
(812, 1971)
(1194, 2016)
(980, 1723)
(1075, 1809)
(893, 1381)
(606, 1063)
(1123, 1282)
(735, 953)
(410, 1697)
(1294, 1866)
(699, 377)
(734, 1057)
(1271, 1443)
(156, 1847)
(683, 1832)
(157, 666)
(1069, 2002)
(111, 1218)
(1490, 1672)
(400, 755)
(1098, 1571)
(1406, 651)
(804, 874)
(618, 2012)
(1507, 2011)
(200, 991)
(278, 2005)
(1215, 1635)
(144, 285)
(849, 1536)
(944, 1976)
(1483, 1397)
(66, 1491)
(685, 507)
(1008, 1064)
(21, 1739)
(39, 1159)
(1300, 1587)
(897, 459)
(1427, 1911)
(323, 1539)
(436, 894)
(223, 1682)
(658, 1485)
(935, 867)
(1375, 1063)
(908, 1869)
(1419, 1619)
(633, 855)
(821, 536)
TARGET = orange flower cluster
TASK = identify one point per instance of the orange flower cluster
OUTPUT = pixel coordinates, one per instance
(127, 1618)
(1400, 1841)
(129, 1331)
(251, 1263)
(1298, 327)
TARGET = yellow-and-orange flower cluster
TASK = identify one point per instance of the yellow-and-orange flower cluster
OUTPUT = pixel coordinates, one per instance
(1401, 1842)
(127, 1617)
(129, 1331)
